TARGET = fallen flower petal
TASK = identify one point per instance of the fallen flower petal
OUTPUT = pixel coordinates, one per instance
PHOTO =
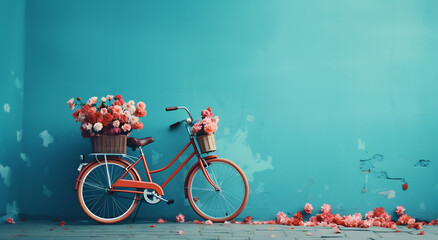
(400, 210)
(308, 234)
(152, 226)
(51, 229)
(248, 220)
(198, 222)
(160, 220)
(397, 231)
(180, 232)
(273, 236)
(10, 220)
(326, 208)
(271, 228)
(421, 233)
(209, 222)
(62, 223)
(180, 218)
(337, 230)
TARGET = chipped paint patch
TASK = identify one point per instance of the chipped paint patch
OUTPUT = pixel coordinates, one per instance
(250, 118)
(422, 163)
(241, 153)
(18, 83)
(26, 159)
(5, 172)
(6, 107)
(156, 157)
(367, 165)
(260, 188)
(360, 144)
(390, 194)
(11, 211)
(46, 191)
(226, 131)
(19, 135)
(47, 138)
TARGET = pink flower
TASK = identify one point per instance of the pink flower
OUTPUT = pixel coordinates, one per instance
(130, 103)
(196, 128)
(210, 128)
(87, 126)
(180, 218)
(116, 123)
(126, 127)
(133, 119)
(71, 104)
(400, 210)
(309, 224)
(141, 105)
(369, 215)
(97, 127)
(337, 230)
(92, 101)
(109, 97)
(273, 236)
(411, 221)
(103, 111)
(282, 218)
(209, 222)
(326, 208)
(308, 234)
(206, 121)
(160, 220)
(117, 109)
(103, 99)
(127, 113)
(180, 232)
(308, 208)
(207, 113)
(367, 223)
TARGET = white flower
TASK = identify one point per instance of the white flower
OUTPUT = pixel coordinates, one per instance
(97, 127)
(133, 119)
(103, 99)
(103, 111)
(131, 103)
(127, 113)
(132, 109)
(87, 126)
(109, 97)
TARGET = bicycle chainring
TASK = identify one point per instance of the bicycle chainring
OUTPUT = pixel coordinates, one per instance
(149, 196)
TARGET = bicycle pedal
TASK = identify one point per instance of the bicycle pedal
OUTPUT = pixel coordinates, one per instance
(171, 201)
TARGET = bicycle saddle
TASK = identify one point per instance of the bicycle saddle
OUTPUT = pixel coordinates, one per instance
(139, 142)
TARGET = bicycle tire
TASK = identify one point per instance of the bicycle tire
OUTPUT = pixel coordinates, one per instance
(208, 203)
(89, 191)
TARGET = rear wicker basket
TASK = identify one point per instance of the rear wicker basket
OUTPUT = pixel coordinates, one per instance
(109, 144)
(206, 143)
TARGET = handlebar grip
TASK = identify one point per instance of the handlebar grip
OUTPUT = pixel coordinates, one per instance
(171, 108)
(175, 124)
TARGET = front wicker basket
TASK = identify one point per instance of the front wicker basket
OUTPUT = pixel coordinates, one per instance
(109, 144)
(206, 143)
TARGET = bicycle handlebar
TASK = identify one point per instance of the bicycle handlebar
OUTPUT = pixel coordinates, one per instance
(171, 108)
(176, 124)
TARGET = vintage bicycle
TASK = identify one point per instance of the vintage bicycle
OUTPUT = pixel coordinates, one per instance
(109, 187)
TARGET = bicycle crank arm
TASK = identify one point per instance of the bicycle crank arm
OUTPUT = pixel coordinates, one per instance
(162, 199)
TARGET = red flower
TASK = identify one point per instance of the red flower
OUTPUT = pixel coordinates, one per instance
(137, 125)
(140, 112)
(248, 220)
(10, 220)
(62, 223)
(405, 186)
(107, 118)
(123, 119)
(298, 215)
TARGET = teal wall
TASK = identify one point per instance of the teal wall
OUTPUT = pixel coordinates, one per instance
(304, 91)
(12, 35)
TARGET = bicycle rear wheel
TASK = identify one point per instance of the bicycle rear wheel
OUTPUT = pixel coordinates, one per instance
(222, 205)
(96, 198)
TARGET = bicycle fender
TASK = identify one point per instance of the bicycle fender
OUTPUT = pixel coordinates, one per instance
(95, 161)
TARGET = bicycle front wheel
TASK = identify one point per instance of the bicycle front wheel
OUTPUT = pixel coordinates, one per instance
(95, 195)
(222, 205)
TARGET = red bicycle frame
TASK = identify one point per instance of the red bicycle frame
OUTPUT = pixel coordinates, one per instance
(150, 184)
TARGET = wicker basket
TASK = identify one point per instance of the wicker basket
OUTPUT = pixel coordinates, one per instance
(109, 144)
(206, 143)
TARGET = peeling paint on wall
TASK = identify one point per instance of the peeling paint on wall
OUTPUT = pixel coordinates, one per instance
(26, 159)
(367, 165)
(390, 194)
(47, 138)
(46, 191)
(422, 163)
(11, 211)
(7, 108)
(19, 135)
(18, 83)
(5, 172)
(360, 144)
(250, 118)
(243, 155)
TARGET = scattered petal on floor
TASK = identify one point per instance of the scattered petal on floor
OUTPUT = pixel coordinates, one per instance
(10, 220)
(152, 226)
(421, 233)
(62, 223)
(180, 232)
(397, 231)
(209, 222)
(337, 230)
(52, 229)
(198, 222)
(271, 228)
(273, 236)
(180, 218)
(160, 220)
(308, 234)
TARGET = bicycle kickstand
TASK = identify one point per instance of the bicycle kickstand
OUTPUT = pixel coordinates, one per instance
(135, 215)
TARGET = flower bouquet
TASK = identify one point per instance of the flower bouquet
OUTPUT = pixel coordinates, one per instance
(204, 131)
(106, 123)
